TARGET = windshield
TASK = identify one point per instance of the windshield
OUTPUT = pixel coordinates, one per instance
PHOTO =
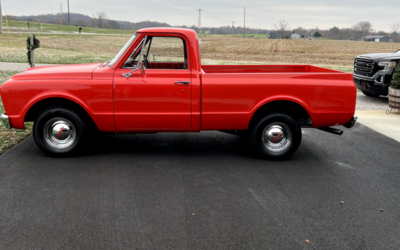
(122, 51)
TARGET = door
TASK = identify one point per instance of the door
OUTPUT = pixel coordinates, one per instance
(159, 100)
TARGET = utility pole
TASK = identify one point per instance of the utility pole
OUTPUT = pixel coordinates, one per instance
(244, 31)
(61, 13)
(233, 26)
(1, 20)
(69, 20)
(199, 28)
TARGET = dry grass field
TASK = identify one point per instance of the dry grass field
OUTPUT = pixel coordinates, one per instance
(67, 49)
(301, 51)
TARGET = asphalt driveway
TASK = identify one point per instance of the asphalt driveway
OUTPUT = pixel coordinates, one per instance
(204, 191)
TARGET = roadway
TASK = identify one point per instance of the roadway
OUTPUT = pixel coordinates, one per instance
(204, 191)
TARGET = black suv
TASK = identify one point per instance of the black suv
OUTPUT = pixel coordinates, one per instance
(373, 72)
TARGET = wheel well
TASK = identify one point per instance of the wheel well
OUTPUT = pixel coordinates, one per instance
(38, 107)
(295, 110)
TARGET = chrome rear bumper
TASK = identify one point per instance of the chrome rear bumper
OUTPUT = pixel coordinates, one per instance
(5, 121)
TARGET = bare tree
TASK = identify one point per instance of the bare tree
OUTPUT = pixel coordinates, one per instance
(282, 28)
(395, 28)
(99, 17)
(395, 32)
(363, 28)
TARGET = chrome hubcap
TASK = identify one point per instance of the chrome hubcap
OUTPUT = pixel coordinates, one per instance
(276, 137)
(59, 133)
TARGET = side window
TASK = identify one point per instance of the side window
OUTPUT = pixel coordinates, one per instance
(166, 53)
(160, 53)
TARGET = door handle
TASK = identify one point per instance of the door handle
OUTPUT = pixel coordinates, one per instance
(181, 82)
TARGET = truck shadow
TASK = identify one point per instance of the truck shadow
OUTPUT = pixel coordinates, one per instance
(163, 144)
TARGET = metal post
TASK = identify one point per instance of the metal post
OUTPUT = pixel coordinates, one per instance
(1, 20)
(69, 20)
(199, 28)
(32, 52)
(244, 23)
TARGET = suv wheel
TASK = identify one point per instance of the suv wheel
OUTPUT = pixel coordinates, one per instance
(58, 131)
(275, 136)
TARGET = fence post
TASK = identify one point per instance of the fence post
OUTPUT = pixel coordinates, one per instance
(28, 24)
(32, 52)
(1, 20)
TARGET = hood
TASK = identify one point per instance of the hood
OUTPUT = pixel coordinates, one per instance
(382, 56)
(75, 71)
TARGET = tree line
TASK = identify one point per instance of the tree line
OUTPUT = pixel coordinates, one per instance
(356, 32)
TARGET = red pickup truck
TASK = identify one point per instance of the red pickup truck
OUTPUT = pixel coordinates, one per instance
(156, 83)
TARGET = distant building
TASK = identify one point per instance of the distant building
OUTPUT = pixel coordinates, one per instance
(277, 35)
(376, 38)
(273, 35)
(295, 36)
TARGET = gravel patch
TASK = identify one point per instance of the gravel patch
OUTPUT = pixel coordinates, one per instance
(371, 103)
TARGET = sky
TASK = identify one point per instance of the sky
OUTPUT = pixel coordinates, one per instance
(259, 13)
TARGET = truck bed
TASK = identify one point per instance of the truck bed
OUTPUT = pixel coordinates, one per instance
(220, 69)
(232, 93)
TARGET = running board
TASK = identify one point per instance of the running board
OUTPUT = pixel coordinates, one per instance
(332, 130)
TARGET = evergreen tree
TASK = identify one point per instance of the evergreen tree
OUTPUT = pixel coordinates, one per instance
(317, 34)
(396, 78)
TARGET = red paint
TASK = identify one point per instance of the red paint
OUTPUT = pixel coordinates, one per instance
(219, 97)
(59, 133)
(276, 137)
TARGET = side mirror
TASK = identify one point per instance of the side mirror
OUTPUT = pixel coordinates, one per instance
(139, 67)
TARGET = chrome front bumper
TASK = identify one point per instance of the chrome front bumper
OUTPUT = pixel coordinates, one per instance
(377, 79)
(5, 121)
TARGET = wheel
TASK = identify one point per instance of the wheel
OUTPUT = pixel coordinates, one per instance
(369, 94)
(58, 131)
(275, 136)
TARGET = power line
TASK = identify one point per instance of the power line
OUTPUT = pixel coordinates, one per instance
(217, 16)
(296, 21)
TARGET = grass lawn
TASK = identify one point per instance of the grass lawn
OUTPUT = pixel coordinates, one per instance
(9, 138)
(62, 49)
(23, 27)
